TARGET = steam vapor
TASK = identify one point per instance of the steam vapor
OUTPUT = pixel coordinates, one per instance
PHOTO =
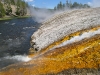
(40, 15)
(94, 3)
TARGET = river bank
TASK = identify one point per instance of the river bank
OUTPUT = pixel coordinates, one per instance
(8, 18)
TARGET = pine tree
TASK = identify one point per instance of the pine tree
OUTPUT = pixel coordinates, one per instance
(24, 8)
(86, 6)
(18, 7)
(21, 8)
(63, 5)
(75, 5)
(12, 2)
(70, 4)
(8, 7)
(60, 5)
(55, 8)
(2, 11)
(67, 3)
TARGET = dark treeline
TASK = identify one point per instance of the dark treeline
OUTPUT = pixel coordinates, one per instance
(13, 8)
(70, 5)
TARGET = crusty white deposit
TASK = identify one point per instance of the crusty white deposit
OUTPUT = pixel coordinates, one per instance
(64, 24)
(78, 38)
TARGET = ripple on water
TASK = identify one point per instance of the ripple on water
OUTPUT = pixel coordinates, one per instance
(13, 23)
(28, 27)
(6, 23)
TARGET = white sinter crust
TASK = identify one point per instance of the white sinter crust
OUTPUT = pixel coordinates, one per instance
(64, 24)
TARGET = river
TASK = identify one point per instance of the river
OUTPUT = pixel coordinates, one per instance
(15, 38)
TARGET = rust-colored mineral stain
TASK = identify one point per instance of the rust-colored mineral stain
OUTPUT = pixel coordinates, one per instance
(68, 37)
(82, 54)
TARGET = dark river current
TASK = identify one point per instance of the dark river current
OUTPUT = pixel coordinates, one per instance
(15, 36)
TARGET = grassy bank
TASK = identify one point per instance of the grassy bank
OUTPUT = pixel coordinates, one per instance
(8, 18)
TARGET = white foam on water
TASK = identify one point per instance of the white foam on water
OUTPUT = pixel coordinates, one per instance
(13, 23)
(29, 27)
(6, 22)
(78, 38)
(22, 58)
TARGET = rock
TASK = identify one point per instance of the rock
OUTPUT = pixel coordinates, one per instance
(64, 60)
(64, 24)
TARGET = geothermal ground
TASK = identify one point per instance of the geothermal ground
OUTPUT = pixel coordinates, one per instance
(67, 44)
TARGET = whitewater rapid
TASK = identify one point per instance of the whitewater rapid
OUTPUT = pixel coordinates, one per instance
(20, 58)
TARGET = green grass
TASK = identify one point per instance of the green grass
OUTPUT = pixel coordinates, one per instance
(8, 18)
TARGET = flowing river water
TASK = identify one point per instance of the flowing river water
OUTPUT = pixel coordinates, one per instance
(15, 36)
